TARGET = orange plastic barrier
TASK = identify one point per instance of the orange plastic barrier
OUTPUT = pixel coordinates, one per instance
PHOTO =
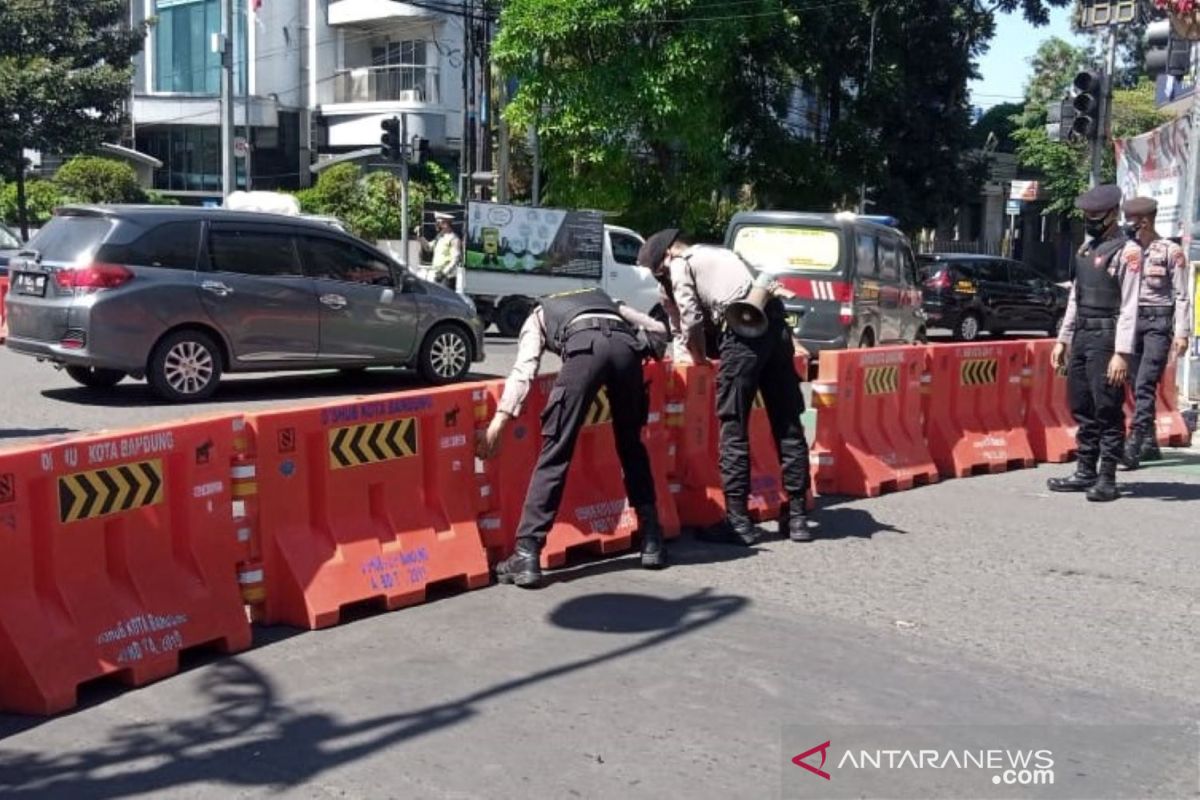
(1169, 428)
(3, 309)
(695, 443)
(371, 500)
(974, 419)
(595, 513)
(1048, 418)
(117, 552)
(869, 429)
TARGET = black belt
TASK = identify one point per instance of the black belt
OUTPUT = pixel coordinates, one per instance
(606, 324)
(1156, 312)
(1097, 323)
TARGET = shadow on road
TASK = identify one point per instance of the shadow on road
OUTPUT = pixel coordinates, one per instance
(28, 433)
(259, 388)
(1148, 490)
(247, 738)
(849, 523)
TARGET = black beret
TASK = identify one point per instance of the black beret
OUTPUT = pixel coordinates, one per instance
(1102, 198)
(655, 249)
(1140, 206)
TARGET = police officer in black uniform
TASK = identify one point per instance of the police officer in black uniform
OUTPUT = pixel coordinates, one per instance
(1099, 329)
(601, 343)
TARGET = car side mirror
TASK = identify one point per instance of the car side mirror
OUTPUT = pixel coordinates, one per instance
(409, 281)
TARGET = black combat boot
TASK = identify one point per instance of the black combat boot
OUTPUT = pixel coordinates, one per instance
(1131, 457)
(736, 528)
(1105, 489)
(1150, 451)
(523, 567)
(654, 551)
(794, 522)
(1083, 479)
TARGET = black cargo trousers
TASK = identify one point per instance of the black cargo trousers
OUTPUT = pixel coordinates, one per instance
(1097, 405)
(607, 356)
(748, 366)
(1151, 350)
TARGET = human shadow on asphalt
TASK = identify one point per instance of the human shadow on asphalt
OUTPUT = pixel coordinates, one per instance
(681, 552)
(279, 386)
(1171, 492)
(834, 523)
(246, 737)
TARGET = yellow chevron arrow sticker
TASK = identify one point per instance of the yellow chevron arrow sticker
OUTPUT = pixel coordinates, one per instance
(881, 380)
(978, 371)
(112, 490)
(371, 443)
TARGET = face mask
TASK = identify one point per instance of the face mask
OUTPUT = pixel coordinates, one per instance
(1096, 227)
(1131, 230)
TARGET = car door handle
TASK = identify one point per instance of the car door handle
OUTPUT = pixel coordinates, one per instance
(333, 300)
(217, 288)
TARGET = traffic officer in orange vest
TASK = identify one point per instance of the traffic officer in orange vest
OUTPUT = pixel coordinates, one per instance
(701, 282)
(601, 343)
(1096, 342)
(1163, 310)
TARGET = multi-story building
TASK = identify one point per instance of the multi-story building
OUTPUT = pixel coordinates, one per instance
(313, 79)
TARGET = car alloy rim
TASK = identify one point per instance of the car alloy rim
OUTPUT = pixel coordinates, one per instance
(448, 355)
(189, 367)
(970, 328)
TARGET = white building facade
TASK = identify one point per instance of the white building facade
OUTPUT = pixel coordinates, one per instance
(314, 79)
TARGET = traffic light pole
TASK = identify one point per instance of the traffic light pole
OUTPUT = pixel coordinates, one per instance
(1104, 135)
(404, 145)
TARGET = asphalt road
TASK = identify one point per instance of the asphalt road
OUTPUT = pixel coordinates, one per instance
(984, 601)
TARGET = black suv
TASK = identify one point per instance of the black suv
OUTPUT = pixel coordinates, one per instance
(970, 294)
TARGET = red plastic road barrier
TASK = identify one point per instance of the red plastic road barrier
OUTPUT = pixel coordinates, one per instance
(595, 513)
(1169, 428)
(695, 440)
(1048, 418)
(371, 500)
(975, 420)
(116, 553)
(3, 309)
(869, 430)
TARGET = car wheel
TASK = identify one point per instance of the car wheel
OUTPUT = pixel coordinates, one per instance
(96, 377)
(867, 340)
(185, 367)
(967, 329)
(445, 355)
(511, 316)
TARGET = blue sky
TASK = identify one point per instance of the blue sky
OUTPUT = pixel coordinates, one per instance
(1005, 67)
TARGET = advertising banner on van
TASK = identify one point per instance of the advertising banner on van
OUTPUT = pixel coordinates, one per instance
(543, 241)
(1153, 165)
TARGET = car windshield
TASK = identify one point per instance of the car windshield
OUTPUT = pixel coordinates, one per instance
(8, 241)
(70, 239)
(779, 248)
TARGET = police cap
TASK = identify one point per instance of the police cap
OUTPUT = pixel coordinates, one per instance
(1100, 199)
(1140, 207)
(655, 249)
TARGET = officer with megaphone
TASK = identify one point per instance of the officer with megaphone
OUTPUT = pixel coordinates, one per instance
(713, 286)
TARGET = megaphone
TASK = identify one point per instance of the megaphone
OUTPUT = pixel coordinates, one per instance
(747, 317)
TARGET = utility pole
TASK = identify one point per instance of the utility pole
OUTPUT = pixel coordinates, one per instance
(464, 158)
(1189, 363)
(1104, 134)
(246, 26)
(405, 144)
(228, 172)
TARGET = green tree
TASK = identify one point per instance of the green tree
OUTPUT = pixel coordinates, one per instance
(65, 70)
(370, 205)
(997, 121)
(41, 198)
(90, 179)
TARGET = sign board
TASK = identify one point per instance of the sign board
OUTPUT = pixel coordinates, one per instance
(1154, 165)
(1013, 208)
(1102, 13)
(1024, 190)
(543, 241)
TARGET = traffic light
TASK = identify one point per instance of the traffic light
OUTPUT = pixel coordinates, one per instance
(1166, 53)
(390, 140)
(419, 150)
(1085, 100)
(1060, 116)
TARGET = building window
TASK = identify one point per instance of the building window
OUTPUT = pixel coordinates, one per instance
(405, 64)
(191, 157)
(184, 60)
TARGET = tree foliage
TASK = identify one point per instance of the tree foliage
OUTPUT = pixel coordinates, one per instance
(65, 71)
(90, 179)
(682, 111)
(370, 205)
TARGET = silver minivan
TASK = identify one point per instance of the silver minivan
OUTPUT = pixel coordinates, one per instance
(180, 296)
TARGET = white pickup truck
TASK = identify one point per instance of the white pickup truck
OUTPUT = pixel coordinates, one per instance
(506, 298)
